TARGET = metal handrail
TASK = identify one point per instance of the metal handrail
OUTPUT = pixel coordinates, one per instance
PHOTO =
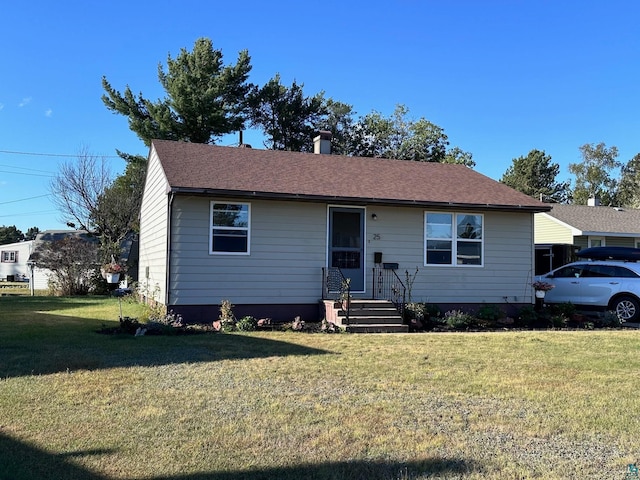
(387, 285)
(333, 276)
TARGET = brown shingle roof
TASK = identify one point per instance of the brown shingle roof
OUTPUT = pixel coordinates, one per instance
(209, 169)
(599, 219)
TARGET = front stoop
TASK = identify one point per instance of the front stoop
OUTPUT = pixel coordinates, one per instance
(366, 316)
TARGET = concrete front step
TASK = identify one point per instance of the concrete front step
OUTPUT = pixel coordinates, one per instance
(364, 320)
(366, 316)
(371, 312)
(374, 328)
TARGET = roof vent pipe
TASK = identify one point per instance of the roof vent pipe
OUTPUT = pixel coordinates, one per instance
(241, 144)
(322, 143)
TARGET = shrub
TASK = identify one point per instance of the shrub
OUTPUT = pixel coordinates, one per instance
(564, 309)
(170, 319)
(459, 320)
(227, 320)
(414, 311)
(129, 325)
(247, 324)
(489, 312)
(329, 327)
(414, 315)
(608, 319)
(528, 317)
(432, 311)
(558, 320)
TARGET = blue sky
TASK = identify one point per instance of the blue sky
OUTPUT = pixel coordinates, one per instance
(501, 77)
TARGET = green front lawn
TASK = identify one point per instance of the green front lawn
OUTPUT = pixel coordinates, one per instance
(75, 404)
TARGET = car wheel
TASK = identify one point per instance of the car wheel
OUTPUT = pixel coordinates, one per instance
(627, 308)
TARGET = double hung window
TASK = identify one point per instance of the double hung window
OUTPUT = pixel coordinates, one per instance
(230, 228)
(453, 239)
(9, 256)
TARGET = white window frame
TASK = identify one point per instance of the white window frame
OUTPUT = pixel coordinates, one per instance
(601, 239)
(454, 240)
(9, 256)
(212, 227)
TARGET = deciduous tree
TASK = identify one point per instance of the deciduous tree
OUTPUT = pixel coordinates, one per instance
(459, 156)
(593, 175)
(72, 261)
(90, 199)
(628, 194)
(402, 138)
(77, 188)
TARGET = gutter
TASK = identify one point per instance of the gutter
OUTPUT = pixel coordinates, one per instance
(355, 200)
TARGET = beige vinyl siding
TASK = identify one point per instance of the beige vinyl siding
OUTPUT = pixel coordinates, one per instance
(583, 241)
(549, 231)
(508, 258)
(153, 232)
(620, 241)
(288, 251)
(504, 277)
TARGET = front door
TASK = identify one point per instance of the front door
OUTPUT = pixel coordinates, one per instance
(346, 244)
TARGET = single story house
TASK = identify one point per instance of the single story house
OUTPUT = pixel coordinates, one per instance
(566, 229)
(263, 229)
(13, 260)
(41, 276)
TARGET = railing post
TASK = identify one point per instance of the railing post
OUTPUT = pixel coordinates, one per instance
(330, 276)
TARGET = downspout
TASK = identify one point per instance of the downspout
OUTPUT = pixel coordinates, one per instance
(168, 257)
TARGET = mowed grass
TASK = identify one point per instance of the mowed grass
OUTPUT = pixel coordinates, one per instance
(281, 405)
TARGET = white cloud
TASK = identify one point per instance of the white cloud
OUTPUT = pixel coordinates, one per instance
(25, 101)
(48, 112)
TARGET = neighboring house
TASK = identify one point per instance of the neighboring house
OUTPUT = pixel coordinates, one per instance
(262, 228)
(41, 275)
(570, 228)
(13, 261)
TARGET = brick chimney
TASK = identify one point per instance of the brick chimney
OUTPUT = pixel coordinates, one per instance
(322, 143)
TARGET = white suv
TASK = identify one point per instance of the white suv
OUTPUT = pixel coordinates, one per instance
(608, 284)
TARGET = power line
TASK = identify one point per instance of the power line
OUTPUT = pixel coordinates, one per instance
(25, 168)
(42, 212)
(23, 199)
(29, 174)
(54, 154)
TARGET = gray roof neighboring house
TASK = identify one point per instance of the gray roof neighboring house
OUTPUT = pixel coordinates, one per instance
(54, 236)
(597, 220)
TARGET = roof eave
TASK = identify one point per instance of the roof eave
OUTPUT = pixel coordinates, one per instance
(354, 200)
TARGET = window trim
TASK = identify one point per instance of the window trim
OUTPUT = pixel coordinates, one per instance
(454, 240)
(212, 227)
(600, 238)
(7, 253)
